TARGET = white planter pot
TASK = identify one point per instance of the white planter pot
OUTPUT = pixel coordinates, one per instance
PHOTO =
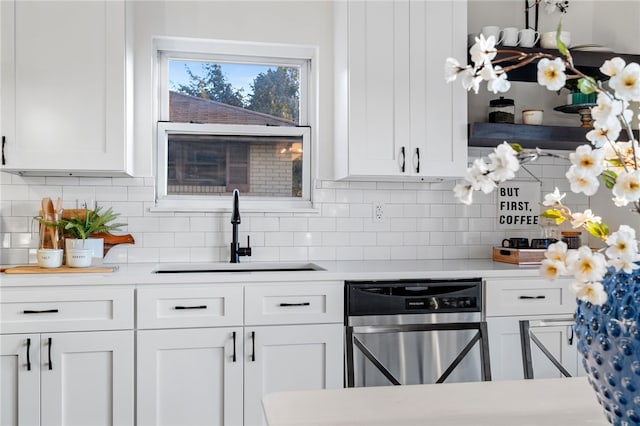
(78, 258)
(95, 245)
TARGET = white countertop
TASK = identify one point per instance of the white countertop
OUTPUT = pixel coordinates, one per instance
(142, 273)
(558, 402)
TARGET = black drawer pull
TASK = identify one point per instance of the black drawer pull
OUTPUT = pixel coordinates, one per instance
(295, 304)
(234, 347)
(191, 307)
(533, 297)
(45, 311)
(50, 364)
(253, 346)
(28, 354)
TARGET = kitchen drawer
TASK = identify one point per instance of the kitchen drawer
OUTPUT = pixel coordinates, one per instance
(528, 296)
(171, 307)
(81, 309)
(294, 304)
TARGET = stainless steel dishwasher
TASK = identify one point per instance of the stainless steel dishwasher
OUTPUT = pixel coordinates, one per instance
(415, 332)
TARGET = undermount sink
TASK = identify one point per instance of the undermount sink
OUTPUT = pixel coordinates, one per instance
(235, 267)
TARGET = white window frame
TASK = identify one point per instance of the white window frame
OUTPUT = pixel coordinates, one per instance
(221, 51)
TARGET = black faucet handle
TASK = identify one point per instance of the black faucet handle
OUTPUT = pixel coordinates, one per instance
(245, 251)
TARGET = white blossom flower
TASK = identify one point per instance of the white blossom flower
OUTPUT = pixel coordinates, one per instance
(477, 176)
(606, 111)
(582, 181)
(622, 244)
(623, 265)
(470, 80)
(483, 51)
(452, 68)
(627, 187)
(613, 66)
(592, 292)
(626, 83)
(586, 265)
(587, 159)
(627, 152)
(552, 269)
(553, 198)
(579, 219)
(464, 193)
(499, 82)
(504, 163)
(551, 73)
(600, 135)
(557, 252)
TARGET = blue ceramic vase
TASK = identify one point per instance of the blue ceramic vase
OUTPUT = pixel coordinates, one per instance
(609, 342)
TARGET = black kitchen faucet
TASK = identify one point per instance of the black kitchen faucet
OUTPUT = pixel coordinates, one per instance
(236, 250)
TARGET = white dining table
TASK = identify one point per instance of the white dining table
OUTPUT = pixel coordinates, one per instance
(556, 402)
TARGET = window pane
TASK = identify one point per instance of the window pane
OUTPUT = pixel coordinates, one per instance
(223, 93)
(218, 164)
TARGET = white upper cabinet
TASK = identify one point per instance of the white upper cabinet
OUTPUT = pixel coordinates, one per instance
(395, 116)
(64, 88)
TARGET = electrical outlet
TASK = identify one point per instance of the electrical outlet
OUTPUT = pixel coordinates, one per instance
(378, 211)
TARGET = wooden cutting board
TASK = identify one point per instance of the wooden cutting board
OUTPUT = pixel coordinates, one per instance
(35, 269)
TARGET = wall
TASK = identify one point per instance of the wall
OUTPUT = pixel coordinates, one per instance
(422, 220)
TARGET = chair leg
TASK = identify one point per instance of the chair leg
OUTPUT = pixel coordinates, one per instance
(525, 343)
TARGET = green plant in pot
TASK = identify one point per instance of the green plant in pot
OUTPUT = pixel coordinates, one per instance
(84, 229)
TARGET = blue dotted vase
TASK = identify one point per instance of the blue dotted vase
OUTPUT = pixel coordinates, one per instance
(609, 342)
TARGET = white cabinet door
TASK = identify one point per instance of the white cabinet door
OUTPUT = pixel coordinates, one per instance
(506, 353)
(189, 377)
(20, 379)
(288, 358)
(87, 378)
(378, 74)
(438, 110)
(395, 116)
(63, 87)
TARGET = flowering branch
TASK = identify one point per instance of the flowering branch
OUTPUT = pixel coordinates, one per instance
(615, 162)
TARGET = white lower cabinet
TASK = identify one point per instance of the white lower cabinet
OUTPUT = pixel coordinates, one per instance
(67, 356)
(510, 300)
(83, 378)
(506, 353)
(207, 355)
(289, 358)
(190, 376)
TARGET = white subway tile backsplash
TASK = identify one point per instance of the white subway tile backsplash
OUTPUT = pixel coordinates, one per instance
(307, 238)
(294, 224)
(377, 253)
(361, 210)
(350, 224)
(159, 239)
(421, 220)
(278, 239)
(322, 253)
(322, 224)
(362, 238)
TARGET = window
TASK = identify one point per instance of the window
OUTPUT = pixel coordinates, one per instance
(233, 116)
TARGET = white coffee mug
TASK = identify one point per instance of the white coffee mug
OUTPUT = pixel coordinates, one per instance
(548, 39)
(532, 116)
(510, 36)
(528, 37)
(492, 30)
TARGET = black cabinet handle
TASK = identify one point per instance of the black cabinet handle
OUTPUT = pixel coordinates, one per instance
(233, 357)
(403, 159)
(533, 297)
(295, 304)
(418, 165)
(190, 307)
(253, 346)
(28, 354)
(50, 364)
(45, 311)
(570, 339)
(4, 160)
